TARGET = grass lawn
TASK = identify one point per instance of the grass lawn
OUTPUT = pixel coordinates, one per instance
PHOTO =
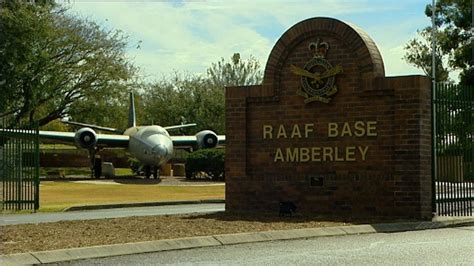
(58, 195)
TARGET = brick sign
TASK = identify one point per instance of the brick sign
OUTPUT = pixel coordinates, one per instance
(328, 131)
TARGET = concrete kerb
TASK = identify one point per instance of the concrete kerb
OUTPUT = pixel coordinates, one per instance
(19, 259)
(124, 249)
(220, 240)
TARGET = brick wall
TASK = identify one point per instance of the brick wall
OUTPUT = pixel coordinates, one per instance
(80, 158)
(391, 179)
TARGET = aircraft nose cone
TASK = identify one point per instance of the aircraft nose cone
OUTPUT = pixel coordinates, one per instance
(160, 150)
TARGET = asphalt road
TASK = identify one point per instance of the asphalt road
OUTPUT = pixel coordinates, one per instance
(449, 246)
(110, 213)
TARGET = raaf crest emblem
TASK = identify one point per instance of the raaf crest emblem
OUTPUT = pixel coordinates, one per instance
(318, 75)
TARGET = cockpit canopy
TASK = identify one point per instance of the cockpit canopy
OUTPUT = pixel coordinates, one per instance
(145, 132)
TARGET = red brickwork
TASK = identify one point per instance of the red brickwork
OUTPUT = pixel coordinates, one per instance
(391, 179)
(80, 158)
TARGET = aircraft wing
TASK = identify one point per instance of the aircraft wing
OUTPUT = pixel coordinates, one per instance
(182, 142)
(103, 140)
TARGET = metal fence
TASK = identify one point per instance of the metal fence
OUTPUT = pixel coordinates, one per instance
(454, 150)
(19, 166)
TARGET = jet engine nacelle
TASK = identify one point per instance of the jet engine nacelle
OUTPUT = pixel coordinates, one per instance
(86, 138)
(206, 139)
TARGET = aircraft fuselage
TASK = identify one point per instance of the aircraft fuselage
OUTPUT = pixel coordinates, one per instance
(151, 145)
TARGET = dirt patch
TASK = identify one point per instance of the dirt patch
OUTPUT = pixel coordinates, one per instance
(72, 234)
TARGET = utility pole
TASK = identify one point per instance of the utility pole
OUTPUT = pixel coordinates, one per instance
(433, 42)
(433, 107)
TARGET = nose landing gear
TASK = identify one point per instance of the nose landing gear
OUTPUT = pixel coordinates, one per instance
(95, 163)
(149, 170)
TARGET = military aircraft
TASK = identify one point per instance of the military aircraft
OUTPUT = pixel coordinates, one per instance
(151, 145)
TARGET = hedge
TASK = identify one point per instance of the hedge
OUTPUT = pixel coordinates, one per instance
(206, 163)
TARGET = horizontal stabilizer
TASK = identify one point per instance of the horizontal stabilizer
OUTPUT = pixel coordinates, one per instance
(179, 126)
(108, 129)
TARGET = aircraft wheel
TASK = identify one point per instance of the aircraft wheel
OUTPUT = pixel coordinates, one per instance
(156, 173)
(97, 167)
(147, 171)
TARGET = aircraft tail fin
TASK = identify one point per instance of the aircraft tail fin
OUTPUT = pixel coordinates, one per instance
(132, 122)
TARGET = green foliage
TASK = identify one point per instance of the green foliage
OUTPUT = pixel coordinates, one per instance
(51, 60)
(454, 18)
(418, 54)
(237, 72)
(455, 126)
(454, 39)
(108, 108)
(195, 98)
(55, 65)
(183, 97)
(467, 76)
(469, 171)
(209, 162)
(455, 116)
(55, 125)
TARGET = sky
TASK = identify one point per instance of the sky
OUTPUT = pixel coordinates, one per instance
(188, 36)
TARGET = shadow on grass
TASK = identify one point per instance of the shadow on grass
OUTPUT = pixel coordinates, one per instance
(128, 179)
(136, 181)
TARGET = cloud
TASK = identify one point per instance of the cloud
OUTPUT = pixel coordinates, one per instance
(391, 39)
(190, 35)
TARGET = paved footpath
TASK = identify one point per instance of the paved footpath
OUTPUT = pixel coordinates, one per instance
(111, 213)
(58, 256)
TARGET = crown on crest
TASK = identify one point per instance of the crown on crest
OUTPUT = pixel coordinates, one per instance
(318, 48)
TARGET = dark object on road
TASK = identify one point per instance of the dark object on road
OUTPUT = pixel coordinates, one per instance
(287, 208)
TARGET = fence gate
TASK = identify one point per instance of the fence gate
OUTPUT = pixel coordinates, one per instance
(454, 150)
(19, 167)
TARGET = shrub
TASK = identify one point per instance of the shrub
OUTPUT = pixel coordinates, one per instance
(208, 163)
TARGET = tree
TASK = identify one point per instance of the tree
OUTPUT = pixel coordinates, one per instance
(419, 55)
(198, 99)
(454, 38)
(455, 41)
(51, 60)
(169, 99)
(184, 97)
(112, 107)
(238, 72)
